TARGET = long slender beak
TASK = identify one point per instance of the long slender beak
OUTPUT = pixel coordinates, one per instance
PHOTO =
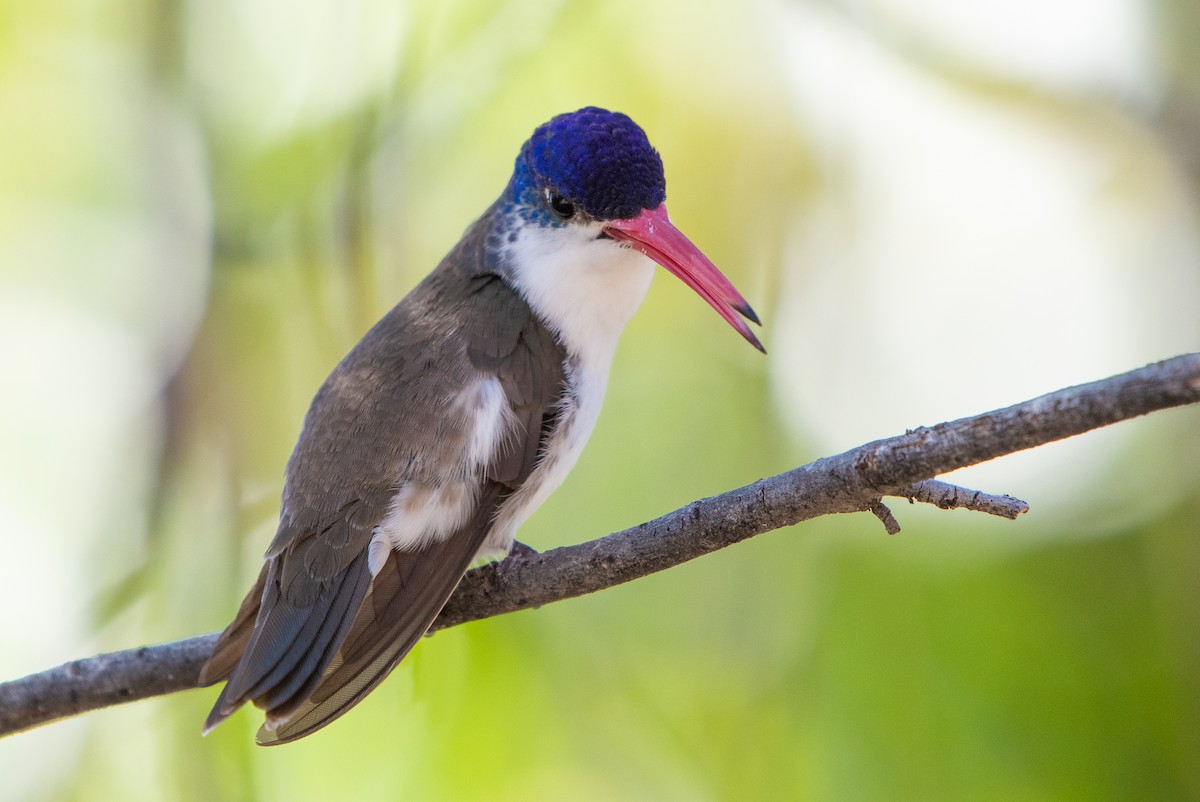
(653, 234)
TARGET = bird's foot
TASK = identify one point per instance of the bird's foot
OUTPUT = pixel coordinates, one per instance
(518, 554)
(519, 551)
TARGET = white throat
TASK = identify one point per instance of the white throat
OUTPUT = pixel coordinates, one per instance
(585, 289)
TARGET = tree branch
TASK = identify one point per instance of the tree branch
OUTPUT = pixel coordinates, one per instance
(853, 481)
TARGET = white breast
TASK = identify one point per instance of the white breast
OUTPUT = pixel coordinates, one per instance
(586, 290)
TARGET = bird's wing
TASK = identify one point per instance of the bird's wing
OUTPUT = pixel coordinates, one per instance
(412, 586)
(403, 600)
(304, 645)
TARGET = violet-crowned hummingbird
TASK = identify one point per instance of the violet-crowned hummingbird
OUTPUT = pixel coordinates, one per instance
(453, 419)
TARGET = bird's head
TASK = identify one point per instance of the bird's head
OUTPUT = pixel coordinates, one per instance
(595, 171)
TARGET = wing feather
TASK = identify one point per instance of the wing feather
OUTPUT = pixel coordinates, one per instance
(289, 688)
(288, 642)
(405, 598)
(232, 642)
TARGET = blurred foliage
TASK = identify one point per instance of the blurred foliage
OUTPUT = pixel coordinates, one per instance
(204, 204)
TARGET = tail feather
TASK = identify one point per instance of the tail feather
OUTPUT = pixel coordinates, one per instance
(287, 645)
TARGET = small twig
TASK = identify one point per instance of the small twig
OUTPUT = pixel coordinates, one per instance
(949, 497)
(881, 511)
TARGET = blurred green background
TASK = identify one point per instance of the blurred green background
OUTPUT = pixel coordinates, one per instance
(937, 207)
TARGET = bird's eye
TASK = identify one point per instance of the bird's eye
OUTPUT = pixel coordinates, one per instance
(562, 207)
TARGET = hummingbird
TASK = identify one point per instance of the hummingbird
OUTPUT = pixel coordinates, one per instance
(453, 419)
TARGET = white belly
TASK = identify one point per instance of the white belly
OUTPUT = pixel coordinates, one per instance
(585, 395)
